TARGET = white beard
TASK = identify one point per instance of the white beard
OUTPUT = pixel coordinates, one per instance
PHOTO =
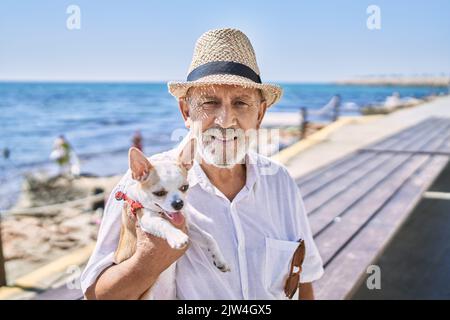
(223, 154)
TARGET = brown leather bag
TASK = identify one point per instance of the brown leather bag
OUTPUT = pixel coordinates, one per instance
(293, 280)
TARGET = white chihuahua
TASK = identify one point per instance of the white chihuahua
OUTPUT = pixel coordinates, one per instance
(160, 191)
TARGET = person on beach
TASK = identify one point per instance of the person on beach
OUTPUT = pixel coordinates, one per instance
(250, 203)
(6, 153)
(65, 157)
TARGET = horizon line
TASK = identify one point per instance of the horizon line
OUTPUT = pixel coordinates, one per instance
(143, 81)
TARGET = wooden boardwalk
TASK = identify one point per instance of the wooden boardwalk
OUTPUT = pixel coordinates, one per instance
(356, 204)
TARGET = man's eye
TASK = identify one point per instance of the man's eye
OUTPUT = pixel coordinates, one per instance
(241, 103)
(160, 193)
(184, 188)
(210, 103)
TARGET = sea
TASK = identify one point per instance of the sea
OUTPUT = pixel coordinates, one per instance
(99, 120)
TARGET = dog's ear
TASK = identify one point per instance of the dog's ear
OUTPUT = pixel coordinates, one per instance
(188, 153)
(139, 164)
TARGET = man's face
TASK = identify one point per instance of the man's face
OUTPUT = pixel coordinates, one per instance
(223, 118)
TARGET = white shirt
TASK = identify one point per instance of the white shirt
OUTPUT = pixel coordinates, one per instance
(257, 233)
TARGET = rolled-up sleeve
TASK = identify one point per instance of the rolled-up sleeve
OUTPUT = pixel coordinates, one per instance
(108, 237)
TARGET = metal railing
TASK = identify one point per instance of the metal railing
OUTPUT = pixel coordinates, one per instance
(332, 108)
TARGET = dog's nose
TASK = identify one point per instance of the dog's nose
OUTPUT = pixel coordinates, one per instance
(177, 204)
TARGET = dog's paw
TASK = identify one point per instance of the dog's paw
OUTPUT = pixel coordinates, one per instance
(218, 260)
(178, 240)
(222, 266)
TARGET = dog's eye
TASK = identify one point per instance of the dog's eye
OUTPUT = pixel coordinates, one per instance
(184, 188)
(160, 193)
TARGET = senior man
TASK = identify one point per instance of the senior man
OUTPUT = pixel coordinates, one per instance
(247, 202)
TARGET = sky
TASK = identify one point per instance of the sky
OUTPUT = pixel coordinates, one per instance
(295, 41)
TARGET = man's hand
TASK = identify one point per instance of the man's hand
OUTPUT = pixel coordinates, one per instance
(156, 251)
(131, 278)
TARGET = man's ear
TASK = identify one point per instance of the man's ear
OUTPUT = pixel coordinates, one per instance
(184, 109)
(139, 165)
(261, 113)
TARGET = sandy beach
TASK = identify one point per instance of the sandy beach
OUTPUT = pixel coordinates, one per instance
(44, 226)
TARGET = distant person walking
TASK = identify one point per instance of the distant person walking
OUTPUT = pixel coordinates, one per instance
(137, 140)
(6, 153)
(65, 157)
(336, 100)
(6, 165)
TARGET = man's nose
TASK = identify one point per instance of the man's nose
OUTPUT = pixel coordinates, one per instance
(177, 204)
(226, 118)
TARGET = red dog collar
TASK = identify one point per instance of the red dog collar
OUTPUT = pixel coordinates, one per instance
(134, 205)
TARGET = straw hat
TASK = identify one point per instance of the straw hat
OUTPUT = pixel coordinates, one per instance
(225, 56)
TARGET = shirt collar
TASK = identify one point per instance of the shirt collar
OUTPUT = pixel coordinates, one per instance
(197, 176)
